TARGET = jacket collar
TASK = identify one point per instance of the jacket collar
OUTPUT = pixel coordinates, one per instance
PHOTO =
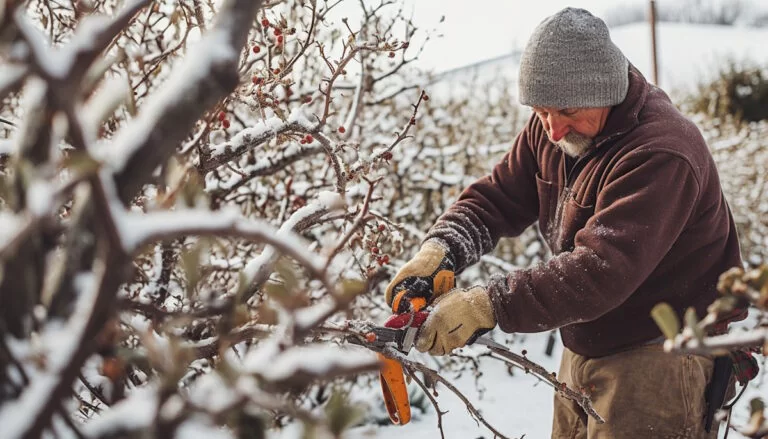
(624, 116)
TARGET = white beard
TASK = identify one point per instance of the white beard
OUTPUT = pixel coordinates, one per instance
(574, 144)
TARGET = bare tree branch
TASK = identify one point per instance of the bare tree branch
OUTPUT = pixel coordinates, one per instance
(197, 84)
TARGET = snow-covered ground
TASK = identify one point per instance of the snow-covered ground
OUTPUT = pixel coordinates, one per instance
(515, 405)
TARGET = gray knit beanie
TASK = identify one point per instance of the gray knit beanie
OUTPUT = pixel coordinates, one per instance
(571, 62)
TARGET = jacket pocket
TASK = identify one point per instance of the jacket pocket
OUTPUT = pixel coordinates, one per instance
(574, 218)
(547, 204)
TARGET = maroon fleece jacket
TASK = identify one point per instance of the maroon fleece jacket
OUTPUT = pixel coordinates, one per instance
(639, 220)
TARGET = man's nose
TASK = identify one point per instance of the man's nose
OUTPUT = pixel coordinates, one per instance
(558, 130)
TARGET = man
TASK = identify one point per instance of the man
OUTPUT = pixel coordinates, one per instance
(627, 196)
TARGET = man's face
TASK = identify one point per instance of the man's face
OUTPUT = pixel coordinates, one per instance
(572, 129)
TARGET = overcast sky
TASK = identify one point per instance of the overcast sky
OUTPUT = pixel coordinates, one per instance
(474, 30)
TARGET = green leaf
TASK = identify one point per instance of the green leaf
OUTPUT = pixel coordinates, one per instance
(286, 290)
(723, 305)
(351, 288)
(666, 318)
(341, 414)
(692, 322)
(81, 163)
(242, 286)
(756, 405)
(190, 262)
(174, 171)
(193, 189)
(130, 102)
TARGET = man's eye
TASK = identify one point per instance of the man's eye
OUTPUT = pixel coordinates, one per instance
(567, 112)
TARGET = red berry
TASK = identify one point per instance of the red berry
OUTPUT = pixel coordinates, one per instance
(279, 39)
(387, 156)
(302, 142)
(222, 115)
(385, 259)
(309, 138)
(307, 99)
(342, 130)
(370, 337)
(413, 121)
(382, 227)
(391, 54)
(276, 71)
(277, 31)
(256, 80)
(225, 123)
(375, 250)
(426, 97)
(265, 22)
(256, 49)
(405, 45)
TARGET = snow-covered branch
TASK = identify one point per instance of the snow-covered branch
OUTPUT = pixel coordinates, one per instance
(137, 230)
(198, 83)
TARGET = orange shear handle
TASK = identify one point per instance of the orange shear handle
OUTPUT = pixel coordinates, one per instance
(391, 374)
(395, 392)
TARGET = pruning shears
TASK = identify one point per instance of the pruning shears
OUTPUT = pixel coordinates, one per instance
(399, 332)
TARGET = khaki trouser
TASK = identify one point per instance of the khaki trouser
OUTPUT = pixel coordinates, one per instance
(641, 393)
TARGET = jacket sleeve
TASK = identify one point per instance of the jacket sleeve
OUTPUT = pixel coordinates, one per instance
(642, 209)
(500, 204)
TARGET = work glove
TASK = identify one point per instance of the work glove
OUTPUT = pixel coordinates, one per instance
(426, 276)
(457, 319)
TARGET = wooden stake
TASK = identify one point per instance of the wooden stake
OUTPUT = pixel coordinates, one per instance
(654, 59)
